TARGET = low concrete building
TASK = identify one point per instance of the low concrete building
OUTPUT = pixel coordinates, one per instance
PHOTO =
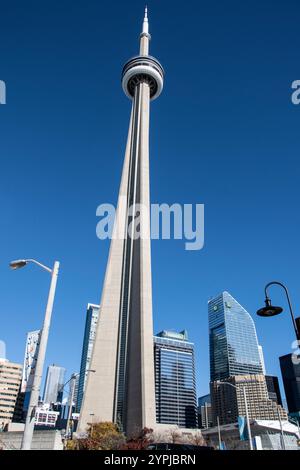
(266, 435)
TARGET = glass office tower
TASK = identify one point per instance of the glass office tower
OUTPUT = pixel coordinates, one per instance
(232, 339)
(175, 387)
(290, 370)
(273, 388)
(91, 321)
(53, 391)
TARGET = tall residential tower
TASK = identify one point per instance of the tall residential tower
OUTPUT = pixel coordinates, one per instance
(92, 316)
(122, 387)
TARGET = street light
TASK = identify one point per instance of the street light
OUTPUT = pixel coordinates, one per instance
(18, 264)
(71, 399)
(92, 423)
(38, 373)
(246, 409)
(270, 310)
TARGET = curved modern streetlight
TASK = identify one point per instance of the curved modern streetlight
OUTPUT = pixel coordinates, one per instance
(270, 310)
(38, 373)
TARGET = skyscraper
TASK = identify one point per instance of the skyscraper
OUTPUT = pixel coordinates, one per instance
(232, 339)
(204, 412)
(30, 357)
(76, 389)
(235, 357)
(273, 388)
(229, 403)
(290, 371)
(122, 387)
(10, 382)
(175, 384)
(262, 359)
(91, 321)
(53, 391)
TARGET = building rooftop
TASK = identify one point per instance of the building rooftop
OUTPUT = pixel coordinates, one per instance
(181, 336)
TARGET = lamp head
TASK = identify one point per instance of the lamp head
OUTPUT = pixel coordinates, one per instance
(17, 264)
(269, 310)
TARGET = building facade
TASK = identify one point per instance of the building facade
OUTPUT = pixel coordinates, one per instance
(232, 339)
(76, 391)
(205, 419)
(46, 417)
(55, 379)
(262, 359)
(237, 358)
(10, 383)
(228, 402)
(273, 388)
(175, 385)
(30, 358)
(290, 371)
(92, 316)
(122, 387)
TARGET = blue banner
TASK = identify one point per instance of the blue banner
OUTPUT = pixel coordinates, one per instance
(243, 428)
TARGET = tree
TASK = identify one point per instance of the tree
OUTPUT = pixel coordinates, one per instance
(197, 439)
(175, 436)
(100, 436)
(140, 441)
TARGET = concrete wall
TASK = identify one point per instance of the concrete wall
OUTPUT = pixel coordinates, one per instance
(42, 440)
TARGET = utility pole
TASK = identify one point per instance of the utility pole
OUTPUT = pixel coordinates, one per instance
(219, 433)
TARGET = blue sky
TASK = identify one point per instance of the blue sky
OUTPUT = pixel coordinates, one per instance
(224, 133)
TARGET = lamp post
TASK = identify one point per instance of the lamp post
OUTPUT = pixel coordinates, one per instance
(219, 433)
(92, 423)
(246, 409)
(71, 399)
(270, 310)
(38, 373)
(281, 430)
(206, 415)
(70, 402)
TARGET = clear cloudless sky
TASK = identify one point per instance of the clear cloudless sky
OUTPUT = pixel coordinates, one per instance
(224, 133)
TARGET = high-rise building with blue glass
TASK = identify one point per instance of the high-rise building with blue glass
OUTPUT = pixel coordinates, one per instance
(175, 387)
(233, 344)
(91, 321)
(236, 358)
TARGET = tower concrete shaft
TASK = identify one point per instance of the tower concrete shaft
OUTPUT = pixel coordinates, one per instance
(121, 387)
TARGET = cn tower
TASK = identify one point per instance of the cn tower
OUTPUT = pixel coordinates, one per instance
(120, 386)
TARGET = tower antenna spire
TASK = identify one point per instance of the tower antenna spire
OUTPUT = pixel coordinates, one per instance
(145, 22)
(145, 36)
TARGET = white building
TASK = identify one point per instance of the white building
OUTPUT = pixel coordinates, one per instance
(46, 417)
(266, 435)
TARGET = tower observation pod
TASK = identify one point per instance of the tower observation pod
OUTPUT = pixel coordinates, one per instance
(143, 68)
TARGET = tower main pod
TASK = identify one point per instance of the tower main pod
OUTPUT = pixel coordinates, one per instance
(120, 386)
